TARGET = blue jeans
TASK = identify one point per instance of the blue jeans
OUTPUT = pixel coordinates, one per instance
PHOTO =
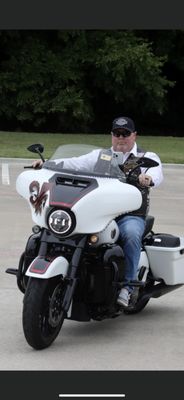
(131, 231)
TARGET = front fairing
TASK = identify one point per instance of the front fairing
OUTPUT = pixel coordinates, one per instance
(94, 199)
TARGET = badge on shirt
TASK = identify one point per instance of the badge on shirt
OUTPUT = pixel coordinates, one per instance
(106, 157)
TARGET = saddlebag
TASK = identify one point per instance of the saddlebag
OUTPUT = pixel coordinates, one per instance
(166, 258)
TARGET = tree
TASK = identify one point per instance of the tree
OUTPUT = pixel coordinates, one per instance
(56, 79)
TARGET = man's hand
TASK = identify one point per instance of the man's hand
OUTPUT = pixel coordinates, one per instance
(37, 164)
(145, 180)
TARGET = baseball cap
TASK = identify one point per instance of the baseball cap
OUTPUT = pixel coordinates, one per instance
(123, 122)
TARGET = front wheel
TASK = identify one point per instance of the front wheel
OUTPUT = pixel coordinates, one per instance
(42, 311)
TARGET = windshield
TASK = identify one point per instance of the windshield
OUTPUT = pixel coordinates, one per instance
(90, 160)
(73, 158)
(72, 150)
(86, 160)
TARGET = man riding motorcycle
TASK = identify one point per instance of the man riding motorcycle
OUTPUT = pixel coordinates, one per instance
(121, 160)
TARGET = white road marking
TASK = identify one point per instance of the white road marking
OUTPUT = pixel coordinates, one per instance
(5, 174)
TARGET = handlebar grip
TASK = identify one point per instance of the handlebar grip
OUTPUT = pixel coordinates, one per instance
(31, 167)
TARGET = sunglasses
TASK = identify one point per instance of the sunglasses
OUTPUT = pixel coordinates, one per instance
(124, 133)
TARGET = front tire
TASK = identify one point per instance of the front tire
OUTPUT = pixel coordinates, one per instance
(42, 311)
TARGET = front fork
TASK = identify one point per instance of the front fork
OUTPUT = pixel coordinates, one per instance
(71, 278)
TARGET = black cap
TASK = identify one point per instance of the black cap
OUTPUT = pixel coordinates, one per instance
(123, 123)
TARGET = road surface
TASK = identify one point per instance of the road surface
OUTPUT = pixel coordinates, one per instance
(151, 340)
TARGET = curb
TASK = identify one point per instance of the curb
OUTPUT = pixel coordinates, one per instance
(16, 160)
(172, 165)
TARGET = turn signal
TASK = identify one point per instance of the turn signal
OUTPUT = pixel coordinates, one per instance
(36, 229)
(93, 239)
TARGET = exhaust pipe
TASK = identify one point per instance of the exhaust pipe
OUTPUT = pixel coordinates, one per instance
(159, 290)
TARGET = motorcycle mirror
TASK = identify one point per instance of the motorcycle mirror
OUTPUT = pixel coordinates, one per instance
(37, 148)
(34, 148)
(146, 162)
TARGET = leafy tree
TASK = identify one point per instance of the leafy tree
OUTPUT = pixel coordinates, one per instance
(127, 68)
(170, 43)
(58, 79)
(38, 78)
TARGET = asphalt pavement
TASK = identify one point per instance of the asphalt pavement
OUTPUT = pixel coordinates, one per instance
(151, 340)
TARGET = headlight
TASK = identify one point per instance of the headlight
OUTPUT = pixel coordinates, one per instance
(61, 222)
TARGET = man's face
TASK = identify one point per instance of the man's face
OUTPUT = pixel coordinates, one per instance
(123, 143)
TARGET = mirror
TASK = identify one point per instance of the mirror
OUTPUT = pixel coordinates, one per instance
(146, 162)
(138, 162)
(37, 148)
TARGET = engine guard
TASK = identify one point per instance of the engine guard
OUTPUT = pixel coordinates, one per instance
(44, 268)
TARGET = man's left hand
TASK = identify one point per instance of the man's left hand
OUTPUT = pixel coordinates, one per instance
(145, 180)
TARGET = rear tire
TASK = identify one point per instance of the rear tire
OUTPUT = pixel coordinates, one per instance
(42, 311)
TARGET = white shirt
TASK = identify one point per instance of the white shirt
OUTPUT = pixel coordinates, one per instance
(87, 162)
(156, 173)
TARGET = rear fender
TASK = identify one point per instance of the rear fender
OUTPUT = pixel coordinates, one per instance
(44, 268)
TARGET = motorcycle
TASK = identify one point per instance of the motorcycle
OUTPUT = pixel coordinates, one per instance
(73, 265)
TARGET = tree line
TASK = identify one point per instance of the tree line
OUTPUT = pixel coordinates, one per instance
(79, 80)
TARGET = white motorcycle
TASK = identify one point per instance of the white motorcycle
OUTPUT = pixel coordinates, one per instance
(73, 266)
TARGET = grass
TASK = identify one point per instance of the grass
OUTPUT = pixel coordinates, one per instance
(14, 144)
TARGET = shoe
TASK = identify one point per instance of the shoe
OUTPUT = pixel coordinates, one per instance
(123, 298)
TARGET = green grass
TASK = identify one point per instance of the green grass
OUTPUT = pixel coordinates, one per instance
(14, 144)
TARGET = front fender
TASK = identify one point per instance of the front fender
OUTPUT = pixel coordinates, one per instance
(43, 268)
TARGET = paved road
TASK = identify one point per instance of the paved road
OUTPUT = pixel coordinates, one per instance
(151, 340)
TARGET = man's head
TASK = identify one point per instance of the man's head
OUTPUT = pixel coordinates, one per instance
(123, 134)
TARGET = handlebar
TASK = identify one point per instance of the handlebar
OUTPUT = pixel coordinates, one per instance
(31, 167)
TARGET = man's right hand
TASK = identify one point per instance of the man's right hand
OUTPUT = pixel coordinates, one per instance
(37, 164)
